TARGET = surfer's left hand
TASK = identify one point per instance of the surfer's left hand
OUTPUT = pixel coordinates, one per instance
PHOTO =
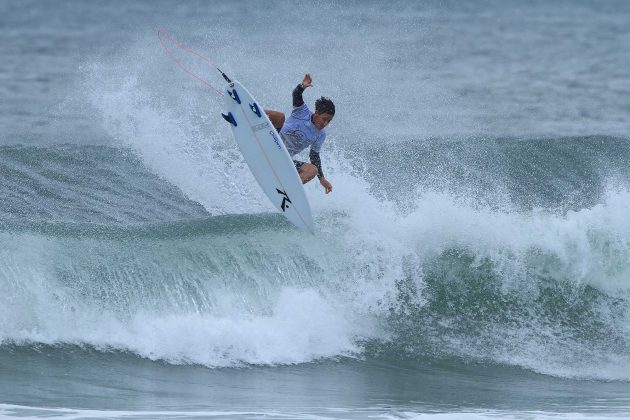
(327, 185)
(307, 82)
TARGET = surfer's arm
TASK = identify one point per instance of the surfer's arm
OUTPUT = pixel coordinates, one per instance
(297, 96)
(299, 89)
(316, 160)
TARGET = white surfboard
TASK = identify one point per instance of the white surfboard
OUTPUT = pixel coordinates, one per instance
(266, 156)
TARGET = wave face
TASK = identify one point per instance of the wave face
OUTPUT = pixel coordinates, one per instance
(516, 266)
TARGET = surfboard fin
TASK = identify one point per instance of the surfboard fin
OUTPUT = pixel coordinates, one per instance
(234, 95)
(229, 118)
(255, 109)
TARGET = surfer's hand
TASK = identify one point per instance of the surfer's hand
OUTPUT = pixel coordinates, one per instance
(308, 81)
(327, 185)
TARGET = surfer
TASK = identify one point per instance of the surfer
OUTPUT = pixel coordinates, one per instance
(304, 128)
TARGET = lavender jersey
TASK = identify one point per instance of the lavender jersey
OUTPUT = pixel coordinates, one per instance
(298, 132)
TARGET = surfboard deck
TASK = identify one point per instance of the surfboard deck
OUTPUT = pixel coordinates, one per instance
(266, 155)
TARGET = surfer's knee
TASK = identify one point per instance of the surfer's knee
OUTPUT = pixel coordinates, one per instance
(311, 170)
(307, 172)
(277, 118)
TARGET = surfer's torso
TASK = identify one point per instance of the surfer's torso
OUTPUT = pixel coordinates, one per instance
(299, 132)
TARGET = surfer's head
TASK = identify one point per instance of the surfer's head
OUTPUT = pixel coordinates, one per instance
(324, 112)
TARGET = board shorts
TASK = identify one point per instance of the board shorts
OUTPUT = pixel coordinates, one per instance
(298, 164)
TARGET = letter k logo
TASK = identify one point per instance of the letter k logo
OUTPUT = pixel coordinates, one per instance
(285, 200)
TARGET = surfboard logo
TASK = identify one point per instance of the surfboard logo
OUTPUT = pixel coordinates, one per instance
(275, 138)
(285, 199)
(260, 126)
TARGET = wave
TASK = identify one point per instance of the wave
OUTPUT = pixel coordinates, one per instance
(85, 184)
(111, 185)
(560, 173)
(501, 250)
(444, 278)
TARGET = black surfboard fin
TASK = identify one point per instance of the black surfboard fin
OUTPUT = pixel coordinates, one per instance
(234, 95)
(229, 118)
(255, 109)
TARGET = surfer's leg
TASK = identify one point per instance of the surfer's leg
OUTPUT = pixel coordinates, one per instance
(306, 171)
(277, 118)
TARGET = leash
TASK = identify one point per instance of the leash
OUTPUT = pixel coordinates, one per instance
(163, 34)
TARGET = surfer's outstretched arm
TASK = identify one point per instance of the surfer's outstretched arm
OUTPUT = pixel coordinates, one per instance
(299, 89)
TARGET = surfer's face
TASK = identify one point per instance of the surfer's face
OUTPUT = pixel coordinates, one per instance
(321, 120)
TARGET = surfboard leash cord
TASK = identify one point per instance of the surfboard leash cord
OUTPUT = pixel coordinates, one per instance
(161, 32)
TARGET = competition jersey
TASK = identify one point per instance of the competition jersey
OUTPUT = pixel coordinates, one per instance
(298, 131)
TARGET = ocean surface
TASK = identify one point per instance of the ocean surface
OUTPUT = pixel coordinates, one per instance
(472, 262)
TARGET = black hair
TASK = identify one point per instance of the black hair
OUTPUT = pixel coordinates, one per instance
(324, 106)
